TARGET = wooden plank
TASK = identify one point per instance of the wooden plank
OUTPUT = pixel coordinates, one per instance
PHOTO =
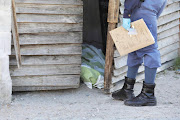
(172, 1)
(47, 81)
(123, 70)
(109, 59)
(50, 38)
(47, 60)
(168, 18)
(49, 18)
(166, 65)
(169, 48)
(72, 2)
(45, 70)
(44, 28)
(15, 35)
(120, 62)
(169, 56)
(168, 26)
(116, 79)
(117, 72)
(113, 11)
(162, 43)
(168, 41)
(63, 49)
(126, 43)
(22, 88)
(170, 9)
(49, 9)
(116, 53)
(168, 32)
(121, 76)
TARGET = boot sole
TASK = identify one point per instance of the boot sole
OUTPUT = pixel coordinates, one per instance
(119, 99)
(148, 104)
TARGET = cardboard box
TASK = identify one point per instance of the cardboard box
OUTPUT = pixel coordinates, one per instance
(126, 43)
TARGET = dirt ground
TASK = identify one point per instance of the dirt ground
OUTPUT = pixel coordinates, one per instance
(87, 104)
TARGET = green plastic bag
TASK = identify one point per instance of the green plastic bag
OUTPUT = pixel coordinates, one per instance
(92, 68)
(91, 77)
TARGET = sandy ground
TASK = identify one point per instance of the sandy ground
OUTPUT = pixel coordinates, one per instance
(87, 104)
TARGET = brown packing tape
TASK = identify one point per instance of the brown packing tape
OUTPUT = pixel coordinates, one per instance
(128, 43)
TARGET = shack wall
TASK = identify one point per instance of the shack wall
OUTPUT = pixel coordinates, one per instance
(50, 36)
(5, 51)
(168, 41)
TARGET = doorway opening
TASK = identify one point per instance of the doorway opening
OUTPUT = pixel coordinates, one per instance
(95, 23)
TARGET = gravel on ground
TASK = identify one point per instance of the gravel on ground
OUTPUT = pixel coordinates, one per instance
(87, 104)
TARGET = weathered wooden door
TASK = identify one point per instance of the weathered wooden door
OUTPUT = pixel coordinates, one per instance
(50, 33)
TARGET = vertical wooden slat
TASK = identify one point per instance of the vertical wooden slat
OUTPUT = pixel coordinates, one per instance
(113, 12)
(15, 35)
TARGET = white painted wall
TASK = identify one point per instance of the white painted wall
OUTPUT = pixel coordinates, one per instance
(5, 51)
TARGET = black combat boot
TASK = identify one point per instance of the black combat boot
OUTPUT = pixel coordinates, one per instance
(126, 92)
(145, 98)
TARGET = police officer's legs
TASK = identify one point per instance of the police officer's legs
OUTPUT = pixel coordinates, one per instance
(132, 71)
(150, 75)
(127, 92)
(146, 97)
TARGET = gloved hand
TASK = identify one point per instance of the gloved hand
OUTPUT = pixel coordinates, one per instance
(126, 23)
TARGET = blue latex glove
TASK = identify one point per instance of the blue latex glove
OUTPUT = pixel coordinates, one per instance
(126, 23)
